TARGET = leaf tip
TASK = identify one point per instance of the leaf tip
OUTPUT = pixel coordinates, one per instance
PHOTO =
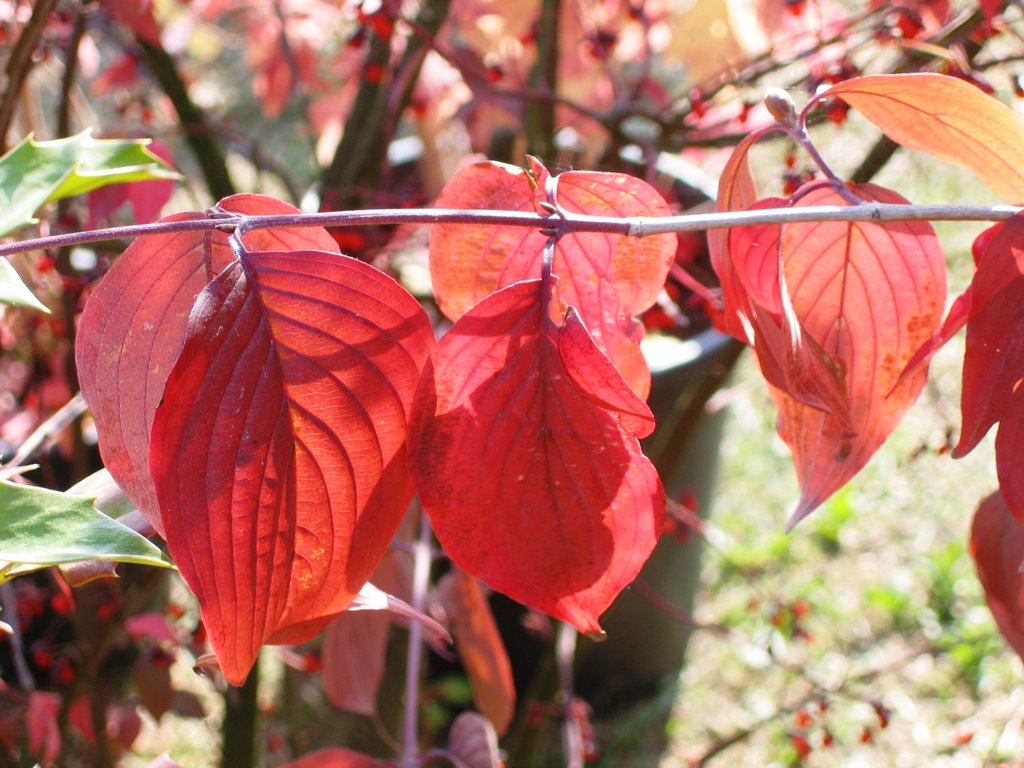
(803, 509)
(598, 635)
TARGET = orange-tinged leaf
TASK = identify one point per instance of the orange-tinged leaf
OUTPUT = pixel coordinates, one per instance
(994, 357)
(945, 117)
(790, 359)
(997, 544)
(480, 647)
(609, 279)
(278, 451)
(870, 294)
(531, 484)
(134, 324)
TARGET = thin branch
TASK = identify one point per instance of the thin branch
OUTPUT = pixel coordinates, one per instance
(19, 64)
(9, 604)
(47, 432)
(567, 223)
(191, 118)
(410, 757)
(572, 737)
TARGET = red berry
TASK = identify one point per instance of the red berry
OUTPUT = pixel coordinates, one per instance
(800, 744)
(796, 7)
(373, 73)
(312, 662)
(883, 715)
(61, 604)
(698, 106)
(42, 658)
(908, 23)
(836, 111)
(65, 672)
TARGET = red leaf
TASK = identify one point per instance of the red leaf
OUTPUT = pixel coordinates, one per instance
(42, 728)
(138, 16)
(736, 191)
(997, 544)
(531, 483)
(278, 451)
(994, 358)
(948, 118)
(150, 625)
(609, 279)
(990, 8)
(480, 647)
(790, 359)
(134, 324)
(154, 687)
(334, 757)
(353, 653)
(956, 319)
(355, 644)
(870, 294)
(473, 742)
(1009, 445)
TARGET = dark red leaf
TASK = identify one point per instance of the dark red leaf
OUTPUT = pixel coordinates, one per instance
(1009, 448)
(153, 685)
(532, 484)
(134, 324)
(608, 279)
(994, 358)
(997, 544)
(278, 451)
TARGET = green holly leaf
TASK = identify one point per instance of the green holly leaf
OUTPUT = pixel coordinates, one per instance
(37, 172)
(40, 528)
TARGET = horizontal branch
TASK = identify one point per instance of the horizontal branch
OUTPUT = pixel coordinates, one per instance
(562, 223)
